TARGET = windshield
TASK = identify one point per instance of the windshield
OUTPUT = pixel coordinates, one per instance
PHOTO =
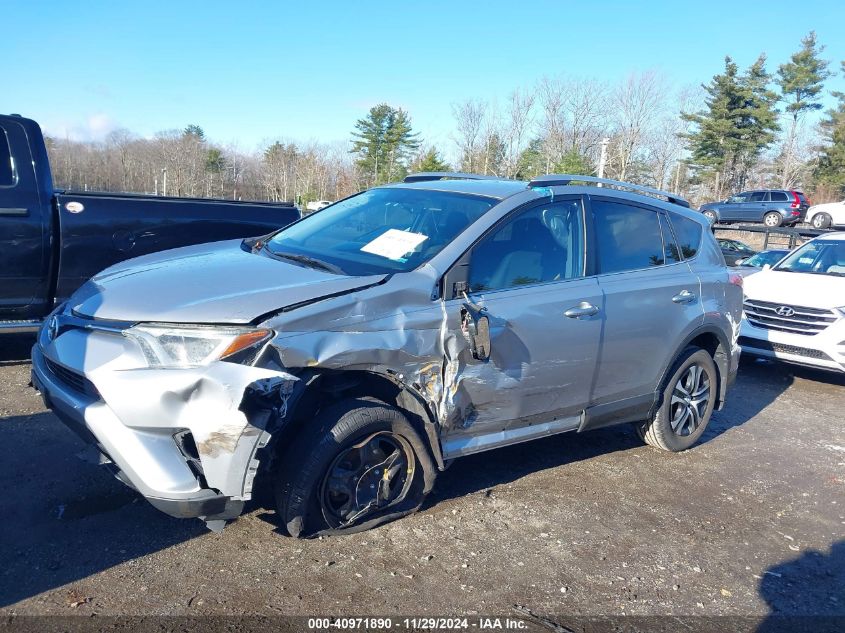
(379, 231)
(818, 257)
(766, 257)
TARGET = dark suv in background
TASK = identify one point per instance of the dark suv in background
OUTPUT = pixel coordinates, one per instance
(772, 207)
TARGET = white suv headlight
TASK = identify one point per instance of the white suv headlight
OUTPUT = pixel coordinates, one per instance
(176, 346)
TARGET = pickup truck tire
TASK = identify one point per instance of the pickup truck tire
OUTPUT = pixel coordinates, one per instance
(772, 219)
(358, 464)
(821, 221)
(687, 402)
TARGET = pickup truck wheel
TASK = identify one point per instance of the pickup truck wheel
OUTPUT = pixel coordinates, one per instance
(688, 398)
(711, 216)
(772, 219)
(358, 465)
(821, 221)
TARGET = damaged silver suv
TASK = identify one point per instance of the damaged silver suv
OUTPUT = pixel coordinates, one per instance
(352, 355)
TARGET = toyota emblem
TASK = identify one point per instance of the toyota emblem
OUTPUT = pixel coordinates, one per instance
(53, 327)
(785, 311)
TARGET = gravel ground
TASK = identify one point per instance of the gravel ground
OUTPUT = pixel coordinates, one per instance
(749, 522)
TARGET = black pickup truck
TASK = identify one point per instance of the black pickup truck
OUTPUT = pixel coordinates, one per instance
(52, 241)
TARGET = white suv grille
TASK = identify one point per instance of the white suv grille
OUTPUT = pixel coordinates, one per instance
(787, 318)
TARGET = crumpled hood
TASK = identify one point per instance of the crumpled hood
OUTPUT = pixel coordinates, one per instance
(796, 289)
(206, 283)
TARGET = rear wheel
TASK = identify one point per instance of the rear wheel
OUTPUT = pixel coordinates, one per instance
(688, 398)
(772, 219)
(821, 221)
(711, 216)
(358, 465)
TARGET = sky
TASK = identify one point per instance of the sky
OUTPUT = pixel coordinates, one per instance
(248, 72)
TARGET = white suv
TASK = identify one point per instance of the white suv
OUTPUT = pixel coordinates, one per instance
(796, 311)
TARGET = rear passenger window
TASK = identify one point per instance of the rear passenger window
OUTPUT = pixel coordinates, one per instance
(688, 233)
(627, 237)
(758, 196)
(778, 196)
(8, 177)
(539, 245)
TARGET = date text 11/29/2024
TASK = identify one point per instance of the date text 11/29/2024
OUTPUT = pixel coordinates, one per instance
(415, 624)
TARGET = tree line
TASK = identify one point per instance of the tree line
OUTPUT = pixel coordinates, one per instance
(744, 128)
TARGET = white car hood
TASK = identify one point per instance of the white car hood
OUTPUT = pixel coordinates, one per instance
(796, 289)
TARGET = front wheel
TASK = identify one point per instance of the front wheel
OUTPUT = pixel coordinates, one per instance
(821, 221)
(688, 399)
(359, 463)
(711, 216)
(772, 219)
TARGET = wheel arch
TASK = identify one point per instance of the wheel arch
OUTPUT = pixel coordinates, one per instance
(714, 341)
(319, 388)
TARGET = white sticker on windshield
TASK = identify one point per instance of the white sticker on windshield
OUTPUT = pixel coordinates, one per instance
(394, 244)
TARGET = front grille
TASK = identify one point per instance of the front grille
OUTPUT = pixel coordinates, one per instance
(807, 321)
(72, 379)
(795, 350)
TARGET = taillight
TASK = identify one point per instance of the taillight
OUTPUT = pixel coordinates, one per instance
(796, 202)
(735, 279)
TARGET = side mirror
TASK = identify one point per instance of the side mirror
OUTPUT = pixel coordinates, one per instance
(766, 266)
(740, 261)
(476, 326)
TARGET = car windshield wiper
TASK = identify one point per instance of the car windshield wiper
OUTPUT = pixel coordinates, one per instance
(311, 262)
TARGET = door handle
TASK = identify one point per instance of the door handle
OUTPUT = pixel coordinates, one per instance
(12, 211)
(583, 309)
(684, 296)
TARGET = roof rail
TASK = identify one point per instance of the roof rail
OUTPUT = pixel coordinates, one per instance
(550, 180)
(424, 176)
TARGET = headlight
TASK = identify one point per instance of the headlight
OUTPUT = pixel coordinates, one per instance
(195, 345)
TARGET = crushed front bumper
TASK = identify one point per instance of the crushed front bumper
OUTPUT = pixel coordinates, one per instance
(177, 436)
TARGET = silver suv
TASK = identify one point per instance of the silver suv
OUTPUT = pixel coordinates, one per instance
(352, 355)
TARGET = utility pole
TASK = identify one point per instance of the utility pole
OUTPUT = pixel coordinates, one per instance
(164, 182)
(603, 157)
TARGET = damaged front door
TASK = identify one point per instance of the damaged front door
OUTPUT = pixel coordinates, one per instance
(532, 373)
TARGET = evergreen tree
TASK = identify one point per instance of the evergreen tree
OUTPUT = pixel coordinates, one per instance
(194, 131)
(739, 122)
(574, 162)
(829, 173)
(801, 81)
(430, 161)
(383, 141)
(532, 161)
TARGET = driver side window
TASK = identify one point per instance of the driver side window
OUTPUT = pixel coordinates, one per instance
(541, 244)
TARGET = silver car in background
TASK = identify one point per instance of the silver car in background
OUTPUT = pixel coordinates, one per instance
(349, 357)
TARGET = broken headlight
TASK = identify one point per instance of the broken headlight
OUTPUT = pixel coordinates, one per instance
(176, 346)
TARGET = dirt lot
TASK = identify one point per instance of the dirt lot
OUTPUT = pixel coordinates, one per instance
(750, 522)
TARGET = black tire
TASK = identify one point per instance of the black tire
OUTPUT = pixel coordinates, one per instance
(773, 219)
(711, 216)
(668, 429)
(307, 498)
(821, 221)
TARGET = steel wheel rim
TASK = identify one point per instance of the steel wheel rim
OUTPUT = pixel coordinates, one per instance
(370, 475)
(690, 399)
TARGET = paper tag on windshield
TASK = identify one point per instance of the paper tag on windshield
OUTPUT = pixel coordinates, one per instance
(394, 244)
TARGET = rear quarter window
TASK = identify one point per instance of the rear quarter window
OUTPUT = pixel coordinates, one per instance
(688, 234)
(8, 177)
(779, 196)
